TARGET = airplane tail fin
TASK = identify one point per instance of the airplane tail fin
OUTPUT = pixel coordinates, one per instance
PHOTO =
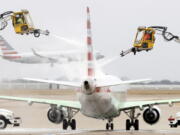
(6, 48)
(90, 52)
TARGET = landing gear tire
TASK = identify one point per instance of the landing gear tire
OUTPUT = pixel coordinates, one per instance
(65, 124)
(112, 126)
(109, 126)
(136, 125)
(73, 124)
(133, 119)
(128, 124)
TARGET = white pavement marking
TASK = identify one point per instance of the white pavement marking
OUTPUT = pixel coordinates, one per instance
(164, 132)
(43, 131)
(56, 131)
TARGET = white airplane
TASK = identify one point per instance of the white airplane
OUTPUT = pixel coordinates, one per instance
(95, 99)
(34, 57)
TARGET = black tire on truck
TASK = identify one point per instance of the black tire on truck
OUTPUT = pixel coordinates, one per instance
(3, 123)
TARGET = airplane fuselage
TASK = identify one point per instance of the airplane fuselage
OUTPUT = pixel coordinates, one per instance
(99, 102)
(100, 105)
(29, 58)
(25, 59)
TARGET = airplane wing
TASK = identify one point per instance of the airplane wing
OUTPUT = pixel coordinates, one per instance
(140, 104)
(71, 84)
(63, 103)
(44, 57)
(54, 56)
(115, 83)
(134, 81)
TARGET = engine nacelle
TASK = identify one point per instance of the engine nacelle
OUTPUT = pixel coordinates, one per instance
(56, 115)
(151, 115)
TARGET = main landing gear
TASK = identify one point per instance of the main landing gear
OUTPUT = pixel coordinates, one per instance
(133, 121)
(109, 125)
(69, 121)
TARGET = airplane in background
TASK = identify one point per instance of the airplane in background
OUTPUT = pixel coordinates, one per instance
(34, 57)
(95, 97)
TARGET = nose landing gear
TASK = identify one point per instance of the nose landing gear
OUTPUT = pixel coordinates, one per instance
(69, 121)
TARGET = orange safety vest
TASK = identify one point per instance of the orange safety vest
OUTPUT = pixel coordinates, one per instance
(147, 36)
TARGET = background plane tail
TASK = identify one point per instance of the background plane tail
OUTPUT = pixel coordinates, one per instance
(6, 48)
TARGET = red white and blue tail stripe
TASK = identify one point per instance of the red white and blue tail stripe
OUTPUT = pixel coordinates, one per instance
(6, 48)
(90, 54)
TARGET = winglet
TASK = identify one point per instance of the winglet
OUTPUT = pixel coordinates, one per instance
(34, 52)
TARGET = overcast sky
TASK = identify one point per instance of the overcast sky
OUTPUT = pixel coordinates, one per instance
(114, 24)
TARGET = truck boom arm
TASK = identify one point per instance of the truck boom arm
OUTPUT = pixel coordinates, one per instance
(167, 36)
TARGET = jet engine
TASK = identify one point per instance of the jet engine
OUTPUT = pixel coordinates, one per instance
(56, 115)
(151, 115)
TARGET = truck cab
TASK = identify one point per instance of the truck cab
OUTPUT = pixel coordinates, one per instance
(144, 39)
(174, 121)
